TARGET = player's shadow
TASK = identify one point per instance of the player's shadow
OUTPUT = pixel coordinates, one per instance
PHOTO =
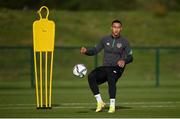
(117, 108)
(122, 107)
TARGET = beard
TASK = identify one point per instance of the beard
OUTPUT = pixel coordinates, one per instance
(116, 34)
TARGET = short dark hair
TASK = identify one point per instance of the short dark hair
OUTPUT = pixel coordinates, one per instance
(116, 21)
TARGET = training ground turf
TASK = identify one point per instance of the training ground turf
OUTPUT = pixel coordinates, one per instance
(17, 99)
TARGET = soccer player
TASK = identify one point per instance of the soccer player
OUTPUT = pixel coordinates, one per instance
(117, 53)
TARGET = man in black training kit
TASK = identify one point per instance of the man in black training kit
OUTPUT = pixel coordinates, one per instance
(117, 53)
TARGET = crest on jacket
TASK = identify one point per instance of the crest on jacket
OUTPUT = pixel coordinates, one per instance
(119, 45)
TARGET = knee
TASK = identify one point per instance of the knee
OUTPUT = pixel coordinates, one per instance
(90, 76)
(111, 81)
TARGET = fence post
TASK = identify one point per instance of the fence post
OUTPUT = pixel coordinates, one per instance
(95, 61)
(157, 67)
(32, 67)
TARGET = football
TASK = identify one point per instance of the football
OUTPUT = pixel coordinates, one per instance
(79, 70)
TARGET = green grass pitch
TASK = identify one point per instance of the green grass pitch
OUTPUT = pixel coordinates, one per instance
(72, 98)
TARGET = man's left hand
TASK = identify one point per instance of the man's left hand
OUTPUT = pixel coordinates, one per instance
(121, 63)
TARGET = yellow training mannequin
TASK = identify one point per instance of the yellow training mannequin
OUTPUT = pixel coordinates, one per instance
(43, 42)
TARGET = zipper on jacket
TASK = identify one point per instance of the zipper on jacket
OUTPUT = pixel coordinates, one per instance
(113, 42)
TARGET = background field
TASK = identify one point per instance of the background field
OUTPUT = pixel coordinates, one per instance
(137, 95)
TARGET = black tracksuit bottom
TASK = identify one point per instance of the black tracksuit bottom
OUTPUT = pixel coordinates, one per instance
(100, 75)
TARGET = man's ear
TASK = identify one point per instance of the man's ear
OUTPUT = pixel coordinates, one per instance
(121, 28)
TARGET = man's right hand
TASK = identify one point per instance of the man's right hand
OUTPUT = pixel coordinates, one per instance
(83, 50)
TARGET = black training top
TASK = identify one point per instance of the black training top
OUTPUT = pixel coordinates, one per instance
(114, 50)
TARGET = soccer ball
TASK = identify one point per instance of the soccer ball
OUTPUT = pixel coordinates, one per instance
(80, 70)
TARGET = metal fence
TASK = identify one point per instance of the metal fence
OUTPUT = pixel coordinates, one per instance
(17, 62)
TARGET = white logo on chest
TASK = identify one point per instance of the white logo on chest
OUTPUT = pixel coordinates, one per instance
(108, 43)
(114, 71)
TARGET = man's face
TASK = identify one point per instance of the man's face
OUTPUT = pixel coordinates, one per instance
(116, 29)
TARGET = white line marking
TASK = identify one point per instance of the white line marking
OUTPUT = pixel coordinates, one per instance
(81, 107)
(134, 103)
(121, 103)
(168, 104)
(157, 106)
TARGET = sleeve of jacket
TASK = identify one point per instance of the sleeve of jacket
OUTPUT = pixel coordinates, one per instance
(128, 57)
(95, 50)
